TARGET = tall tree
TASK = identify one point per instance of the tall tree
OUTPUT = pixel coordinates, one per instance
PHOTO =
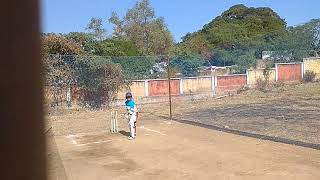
(95, 27)
(297, 42)
(118, 31)
(137, 22)
(141, 26)
(312, 30)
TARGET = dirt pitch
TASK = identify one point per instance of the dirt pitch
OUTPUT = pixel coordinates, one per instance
(83, 149)
(171, 150)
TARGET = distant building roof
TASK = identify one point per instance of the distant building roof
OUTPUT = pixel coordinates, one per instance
(212, 68)
(276, 55)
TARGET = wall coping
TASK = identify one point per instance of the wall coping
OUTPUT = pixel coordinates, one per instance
(163, 79)
(311, 58)
(136, 80)
(293, 63)
(195, 77)
(260, 69)
(232, 75)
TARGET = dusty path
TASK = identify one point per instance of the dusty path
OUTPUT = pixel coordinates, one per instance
(178, 151)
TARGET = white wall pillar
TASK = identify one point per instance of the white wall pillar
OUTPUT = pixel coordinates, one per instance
(277, 79)
(146, 88)
(213, 84)
(247, 73)
(215, 81)
(302, 70)
(181, 86)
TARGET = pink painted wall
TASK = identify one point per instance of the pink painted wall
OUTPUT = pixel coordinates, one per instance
(289, 72)
(161, 88)
(229, 83)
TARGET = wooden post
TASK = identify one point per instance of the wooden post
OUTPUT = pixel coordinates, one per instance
(169, 85)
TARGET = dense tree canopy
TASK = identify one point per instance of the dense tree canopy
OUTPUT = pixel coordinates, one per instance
(59, 44)
(239, 27)
(116, 47)
(237, 37)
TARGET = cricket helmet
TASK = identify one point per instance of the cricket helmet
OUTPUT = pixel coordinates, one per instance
(128, 95)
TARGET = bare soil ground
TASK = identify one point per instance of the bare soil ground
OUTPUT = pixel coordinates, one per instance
(291, 112)
(180, 151)
(55, 167)
(165, 150)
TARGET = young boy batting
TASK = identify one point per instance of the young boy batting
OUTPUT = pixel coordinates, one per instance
(132, 115)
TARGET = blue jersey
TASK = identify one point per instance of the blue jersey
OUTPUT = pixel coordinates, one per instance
(131, 106)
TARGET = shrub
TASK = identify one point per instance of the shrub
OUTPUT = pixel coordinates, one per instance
(278, 84)
(309, 76)
(99, 79)
(243, 89)
(262, 85)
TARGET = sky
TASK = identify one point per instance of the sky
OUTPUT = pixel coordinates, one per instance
(181, 16)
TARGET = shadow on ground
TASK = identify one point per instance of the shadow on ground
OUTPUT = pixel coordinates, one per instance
(125, 133)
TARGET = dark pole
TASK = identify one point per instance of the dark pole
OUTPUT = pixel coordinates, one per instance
(23, 146)
(169, 85)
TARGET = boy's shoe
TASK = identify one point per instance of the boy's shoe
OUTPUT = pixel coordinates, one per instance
(131, 138)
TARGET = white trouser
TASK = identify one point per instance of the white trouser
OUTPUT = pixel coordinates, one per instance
(132, 124)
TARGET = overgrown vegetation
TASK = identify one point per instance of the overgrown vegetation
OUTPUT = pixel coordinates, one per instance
(309, 76)
(263, 84)
(97, 80)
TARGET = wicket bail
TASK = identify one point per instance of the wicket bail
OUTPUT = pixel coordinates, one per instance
(114, 122)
